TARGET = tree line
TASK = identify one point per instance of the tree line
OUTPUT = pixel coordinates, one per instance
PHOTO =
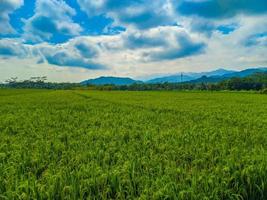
(256, 82)
(36, 83)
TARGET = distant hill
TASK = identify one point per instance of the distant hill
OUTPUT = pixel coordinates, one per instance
(171, 79)
(218, 72)
(189, 76)
(210, 79)
(202, 77)
(246, 72)
(110, 80)
(240, 74)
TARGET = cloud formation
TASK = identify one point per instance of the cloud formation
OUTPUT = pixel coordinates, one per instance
(52, 18)
(86, 49)
(142, 14)
(221, 8)
(164, 43)
(185, 48)
(13, 48)
(259, 39)
(64, 58)
(76, 53)
(6, 8)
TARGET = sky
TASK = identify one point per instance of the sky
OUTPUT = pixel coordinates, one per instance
(74, 40)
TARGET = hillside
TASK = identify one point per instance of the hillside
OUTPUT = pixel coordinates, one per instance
(240, 74)
(110, 81)
(189, 76)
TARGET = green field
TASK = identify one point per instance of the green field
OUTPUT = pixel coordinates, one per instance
(132, 145)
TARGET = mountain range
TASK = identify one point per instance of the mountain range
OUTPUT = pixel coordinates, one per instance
(185, 77)
(190, 77)
(238, 74)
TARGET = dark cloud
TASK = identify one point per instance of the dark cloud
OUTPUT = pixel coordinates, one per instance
(164, 43)
(204, 27)
(186, 48)
(221, 8)
(77, 53)
(87, 50)
(66, 59)
(142, 14)
(141, 40)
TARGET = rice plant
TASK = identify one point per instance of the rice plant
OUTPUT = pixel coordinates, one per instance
(132, 145)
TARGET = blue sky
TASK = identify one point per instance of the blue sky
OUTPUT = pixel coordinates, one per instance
(73, 40)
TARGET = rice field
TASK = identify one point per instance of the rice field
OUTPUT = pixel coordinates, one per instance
(132, 145)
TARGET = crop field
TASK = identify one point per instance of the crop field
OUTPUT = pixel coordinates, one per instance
(132, 145)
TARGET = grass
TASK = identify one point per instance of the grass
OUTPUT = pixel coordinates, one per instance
(132, 145)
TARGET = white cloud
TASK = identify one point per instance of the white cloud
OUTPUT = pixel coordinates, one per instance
(6, 8)
(13, 48)
(51, 17)
(142, 14)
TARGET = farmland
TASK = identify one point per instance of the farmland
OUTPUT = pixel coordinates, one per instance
(132, 145)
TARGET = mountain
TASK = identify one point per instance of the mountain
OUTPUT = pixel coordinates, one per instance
(189, 76)
(202, 77)
(246, 72)
(240, 74)
(110, 81)
(209, 79)
(171, 79)
(218, 72)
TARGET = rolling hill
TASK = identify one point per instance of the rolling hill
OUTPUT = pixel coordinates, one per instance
(191, 77)
(110, 81)
(240, 74)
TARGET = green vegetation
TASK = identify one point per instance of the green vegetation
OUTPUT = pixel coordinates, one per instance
(37, 83)
(256, 82)
(132, 145)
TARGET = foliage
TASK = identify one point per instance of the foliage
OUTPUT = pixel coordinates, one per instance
(256, 81)
(75, 144)
(264, 91)
(37, 83)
